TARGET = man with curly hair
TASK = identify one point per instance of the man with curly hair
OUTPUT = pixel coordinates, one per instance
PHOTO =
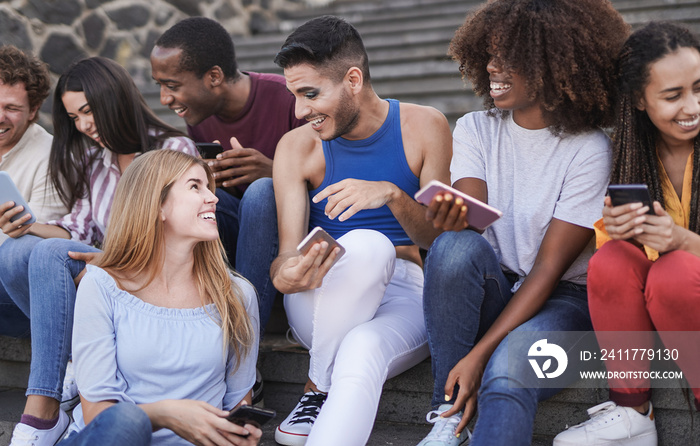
(545, 70)
(24, 155)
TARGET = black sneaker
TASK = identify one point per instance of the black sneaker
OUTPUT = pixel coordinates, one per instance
(295, 429)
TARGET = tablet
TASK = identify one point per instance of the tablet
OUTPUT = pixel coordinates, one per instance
(9, 192)
(479, 214)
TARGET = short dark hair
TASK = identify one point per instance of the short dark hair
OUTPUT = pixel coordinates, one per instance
(204, 44)
(564, 49)
(328, 43)
(18, 66)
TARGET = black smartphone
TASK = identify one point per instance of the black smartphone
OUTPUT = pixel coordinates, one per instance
(209, 150)
(631, 193)
(256, 416)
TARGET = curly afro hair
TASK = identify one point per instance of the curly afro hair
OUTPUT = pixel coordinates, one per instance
(565, 50)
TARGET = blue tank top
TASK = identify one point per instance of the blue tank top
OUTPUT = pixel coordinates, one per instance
(380, 157)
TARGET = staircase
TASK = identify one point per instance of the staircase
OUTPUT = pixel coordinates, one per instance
(407, 42)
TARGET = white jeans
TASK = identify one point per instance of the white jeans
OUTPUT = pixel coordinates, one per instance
(362, 326)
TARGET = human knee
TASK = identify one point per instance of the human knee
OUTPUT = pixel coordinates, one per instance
(138, 425)
(367, 247)
(259, 194)
(674, 281)
(455, 251)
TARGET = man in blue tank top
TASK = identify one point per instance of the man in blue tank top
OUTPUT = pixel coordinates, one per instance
(353, 171)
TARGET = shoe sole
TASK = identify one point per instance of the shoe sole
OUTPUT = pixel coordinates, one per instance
(648, 439)
(290, 439)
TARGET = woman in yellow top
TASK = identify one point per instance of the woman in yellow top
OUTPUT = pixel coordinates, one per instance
(646, 274)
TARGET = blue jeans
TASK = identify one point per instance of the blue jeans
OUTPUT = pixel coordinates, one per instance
(227, 220)
(258, 243)
(118, 425)
(12, 321)
(465, 291)
(38, 275)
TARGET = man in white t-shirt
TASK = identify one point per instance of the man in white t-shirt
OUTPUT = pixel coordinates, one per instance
(24, 155)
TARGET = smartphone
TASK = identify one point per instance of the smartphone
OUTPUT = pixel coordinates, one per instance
(256, 416)
(479, 214)
(318, 235)
(631, 193)
(209, 150)
(9, 192)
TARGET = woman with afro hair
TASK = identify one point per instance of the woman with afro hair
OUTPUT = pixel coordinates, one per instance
(545, 70)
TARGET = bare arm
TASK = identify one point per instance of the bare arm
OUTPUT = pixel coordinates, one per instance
(562, 243)
(292, 272)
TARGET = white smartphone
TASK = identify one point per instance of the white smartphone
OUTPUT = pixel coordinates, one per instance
(479, 214)
(9, 192)
(318, 235)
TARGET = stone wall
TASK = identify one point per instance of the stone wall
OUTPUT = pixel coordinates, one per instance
(61, 31)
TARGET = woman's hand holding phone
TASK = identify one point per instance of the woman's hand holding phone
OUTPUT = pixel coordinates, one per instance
(447, 212)
(200, 423)
(625, 221)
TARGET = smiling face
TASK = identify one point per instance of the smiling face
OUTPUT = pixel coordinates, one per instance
(672, 96)
(327, 105)
(15, 115)
(182, 91)
(188, 212)
(80, 113)
(509, 92)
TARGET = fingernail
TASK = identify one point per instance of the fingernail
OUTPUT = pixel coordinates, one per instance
(639, 220)
(464, 209)
(438, 198)
(457, 435)
(447, 397)
(635, 206)
(210, 163)
(459, 201)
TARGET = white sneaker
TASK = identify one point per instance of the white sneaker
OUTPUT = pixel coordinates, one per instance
(443, 433)
(25, 435)
(294, 430)
(611, 424)
(70, 397)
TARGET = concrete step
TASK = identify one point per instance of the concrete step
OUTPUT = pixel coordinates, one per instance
(404, 403)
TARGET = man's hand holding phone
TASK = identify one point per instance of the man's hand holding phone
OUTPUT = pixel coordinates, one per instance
(305, 269)
(240, 166)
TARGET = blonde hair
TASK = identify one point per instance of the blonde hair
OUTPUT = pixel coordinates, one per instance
(134, 243)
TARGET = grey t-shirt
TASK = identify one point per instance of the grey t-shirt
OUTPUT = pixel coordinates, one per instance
(533, 176)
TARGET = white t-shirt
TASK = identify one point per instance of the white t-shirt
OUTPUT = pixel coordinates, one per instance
(125, 349)
(533, 176)
(27, 164)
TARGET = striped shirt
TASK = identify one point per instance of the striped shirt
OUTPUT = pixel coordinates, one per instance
(87, 221)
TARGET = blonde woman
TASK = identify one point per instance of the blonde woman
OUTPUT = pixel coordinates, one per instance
(165, 337)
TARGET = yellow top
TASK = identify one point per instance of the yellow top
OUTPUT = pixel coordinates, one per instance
(678, 209)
